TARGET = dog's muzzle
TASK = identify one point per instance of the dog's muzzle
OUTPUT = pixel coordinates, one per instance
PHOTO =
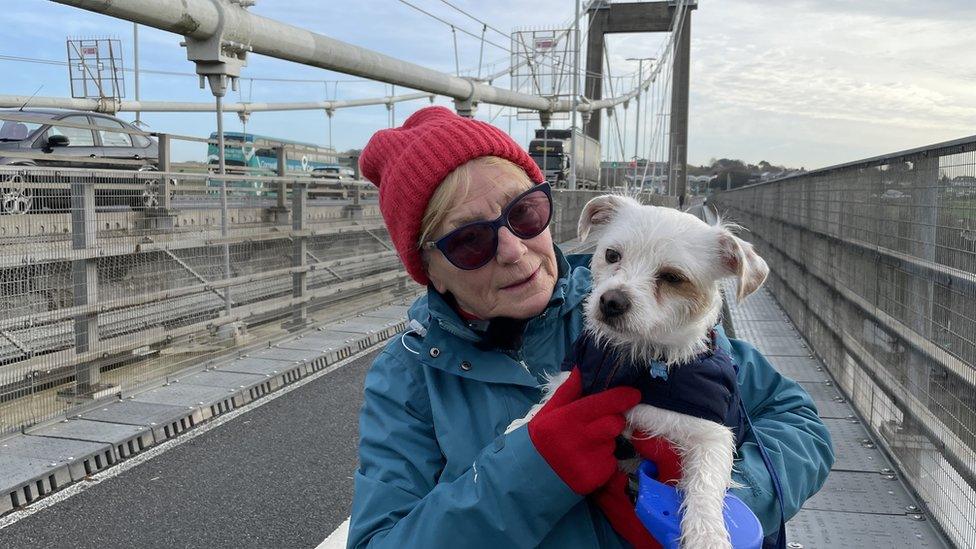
(613, 304)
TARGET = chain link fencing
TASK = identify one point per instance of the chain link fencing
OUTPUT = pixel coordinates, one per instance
(875, 262)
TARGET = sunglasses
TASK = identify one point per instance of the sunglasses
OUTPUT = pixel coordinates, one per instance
(473, 245)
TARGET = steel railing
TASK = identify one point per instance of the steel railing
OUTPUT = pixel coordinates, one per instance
(113, 280)
(875, 262)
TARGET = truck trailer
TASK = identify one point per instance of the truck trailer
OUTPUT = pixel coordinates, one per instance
(552, 151)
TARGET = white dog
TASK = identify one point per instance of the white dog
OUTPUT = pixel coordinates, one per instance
(656, 278)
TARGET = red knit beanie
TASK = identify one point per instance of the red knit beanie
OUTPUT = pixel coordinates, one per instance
(409, 162)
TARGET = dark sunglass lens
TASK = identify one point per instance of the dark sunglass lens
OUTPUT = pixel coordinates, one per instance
(530, 215)
(471, 246)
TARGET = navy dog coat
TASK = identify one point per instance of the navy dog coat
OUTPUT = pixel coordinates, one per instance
(706, 387)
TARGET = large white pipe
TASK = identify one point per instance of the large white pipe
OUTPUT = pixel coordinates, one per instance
(201, 19)
(113, 106)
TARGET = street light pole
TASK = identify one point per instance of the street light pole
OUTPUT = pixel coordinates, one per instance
(135, 55)
(571, 182)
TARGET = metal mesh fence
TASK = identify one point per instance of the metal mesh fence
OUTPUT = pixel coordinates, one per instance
(875, 261)
(112, 281)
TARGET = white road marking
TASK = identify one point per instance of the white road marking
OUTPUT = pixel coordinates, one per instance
(337, 539)
(159, 449)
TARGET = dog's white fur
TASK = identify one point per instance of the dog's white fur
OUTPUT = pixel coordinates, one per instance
(669, 321)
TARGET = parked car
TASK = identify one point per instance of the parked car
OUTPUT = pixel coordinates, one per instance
(894, 194)
(334, 173)
(101, 147)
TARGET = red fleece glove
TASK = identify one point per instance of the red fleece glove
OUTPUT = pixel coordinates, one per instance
(576, 436)
(613, 500)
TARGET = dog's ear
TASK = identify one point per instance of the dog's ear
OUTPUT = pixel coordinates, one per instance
(599, 212)
(740, 259)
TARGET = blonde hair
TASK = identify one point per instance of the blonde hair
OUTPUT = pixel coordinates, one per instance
(454, 190)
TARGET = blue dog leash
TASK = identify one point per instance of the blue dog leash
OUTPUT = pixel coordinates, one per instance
(780, 542)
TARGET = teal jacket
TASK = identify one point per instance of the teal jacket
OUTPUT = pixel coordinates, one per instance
(437, 470)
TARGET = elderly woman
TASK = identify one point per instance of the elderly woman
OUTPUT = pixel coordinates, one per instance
(468, 213)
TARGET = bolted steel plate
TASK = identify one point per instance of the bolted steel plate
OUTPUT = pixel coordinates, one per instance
(321, 342)
(861, 492)
(361, 325)
(165, 420)
(24, 479)
(125, 440)
(254, 365)
(227, 380)
(799, 368)
(775, 346)
(772, 328)
(81, 457)
(395, 312)
(133, 412)
(185, 394)
(826, 397)
(818, 529)
(850, 452)
(284, 354)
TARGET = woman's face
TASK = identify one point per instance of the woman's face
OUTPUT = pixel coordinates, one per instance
(519, 281)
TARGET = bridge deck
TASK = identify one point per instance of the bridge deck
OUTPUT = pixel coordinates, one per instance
(863, 503)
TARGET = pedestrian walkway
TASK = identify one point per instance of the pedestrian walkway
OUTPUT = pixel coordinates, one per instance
(863, 503)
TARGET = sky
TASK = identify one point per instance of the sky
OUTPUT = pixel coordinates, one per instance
(796, 82)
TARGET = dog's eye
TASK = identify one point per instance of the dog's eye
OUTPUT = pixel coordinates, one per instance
(671, 277)
(611, 255)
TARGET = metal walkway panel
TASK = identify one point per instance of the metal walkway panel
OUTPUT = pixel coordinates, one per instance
(320, 342)
(282, 372)
(165, 420)
(862, 504)
(776, 328)
(758, 306)
(82, 458)
(281, 353)
(392, 312)
(797, 368)
(777, 346)
(830, 403)
(210, 401)
(360, 325)
(854, 450)
(250, 386)
(24, 479)
(126, 440)
(859, 492)
(368, 331)
(817, 529)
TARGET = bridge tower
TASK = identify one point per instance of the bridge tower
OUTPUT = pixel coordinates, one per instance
(607, 18)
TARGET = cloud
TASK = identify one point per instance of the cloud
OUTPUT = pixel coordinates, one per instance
(773, 69)
(803, 82)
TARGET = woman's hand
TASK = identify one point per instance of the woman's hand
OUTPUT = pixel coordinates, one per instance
(576, 436)
(615, 502)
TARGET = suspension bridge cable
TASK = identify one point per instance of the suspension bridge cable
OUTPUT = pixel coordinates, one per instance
(481, 21)
(448, 23)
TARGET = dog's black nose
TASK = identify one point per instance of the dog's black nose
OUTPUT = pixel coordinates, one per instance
(614, 303)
